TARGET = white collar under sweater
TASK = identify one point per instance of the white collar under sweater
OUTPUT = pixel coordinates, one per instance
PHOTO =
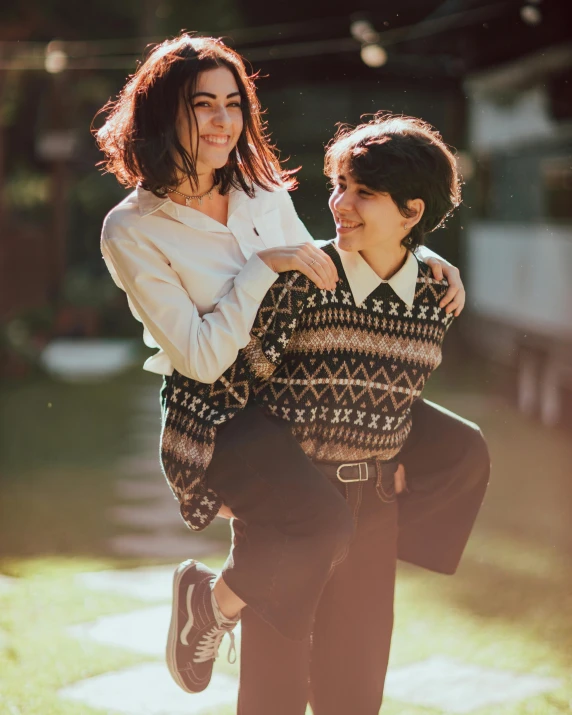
(364, 280)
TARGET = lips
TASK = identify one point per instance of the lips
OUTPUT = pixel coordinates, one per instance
(346, 226)
(216, 139)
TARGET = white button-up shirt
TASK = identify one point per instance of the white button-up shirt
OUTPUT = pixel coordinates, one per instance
(194, 283)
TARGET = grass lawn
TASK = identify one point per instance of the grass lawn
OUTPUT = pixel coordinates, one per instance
(508, 607)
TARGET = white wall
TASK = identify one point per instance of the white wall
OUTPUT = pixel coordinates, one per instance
(522, 274)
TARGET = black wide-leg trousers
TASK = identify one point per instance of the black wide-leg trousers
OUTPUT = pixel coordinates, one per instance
(315, 559)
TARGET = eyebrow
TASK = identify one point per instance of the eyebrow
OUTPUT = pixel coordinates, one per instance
(343, 178)
(213, 96)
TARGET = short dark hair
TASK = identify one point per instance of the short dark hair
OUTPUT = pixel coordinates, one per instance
(139, 137)
(404, 157)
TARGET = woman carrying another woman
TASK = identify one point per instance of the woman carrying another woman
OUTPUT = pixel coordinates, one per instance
(203, 237)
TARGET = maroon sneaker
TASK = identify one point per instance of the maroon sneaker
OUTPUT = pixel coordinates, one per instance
(195, 634)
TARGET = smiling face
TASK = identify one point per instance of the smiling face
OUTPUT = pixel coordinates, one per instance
(214, 130)
(367, 219)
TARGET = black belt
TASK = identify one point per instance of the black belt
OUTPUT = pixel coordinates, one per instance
(348, 472)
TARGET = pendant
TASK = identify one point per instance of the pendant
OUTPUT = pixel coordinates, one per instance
(187, 200)
(200, 200)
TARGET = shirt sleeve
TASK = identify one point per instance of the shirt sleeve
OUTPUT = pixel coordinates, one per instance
(424, 253)
(200, 347)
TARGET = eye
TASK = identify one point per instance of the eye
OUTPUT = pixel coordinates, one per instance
(363, 192)
(235, 104)
(201, 104)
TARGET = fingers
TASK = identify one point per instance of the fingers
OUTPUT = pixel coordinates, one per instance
(400, 483)
(457, 303)
(324, 266)
(225, 513)
(449, 299)
(436, 268)
(454, 298)
(318, 266)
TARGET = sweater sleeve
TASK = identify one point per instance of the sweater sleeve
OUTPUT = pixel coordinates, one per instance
(193, 410)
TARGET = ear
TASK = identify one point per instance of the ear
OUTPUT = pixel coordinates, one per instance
(415, 209)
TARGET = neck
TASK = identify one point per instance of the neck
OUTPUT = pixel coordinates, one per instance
(205, 182)
(384, 261)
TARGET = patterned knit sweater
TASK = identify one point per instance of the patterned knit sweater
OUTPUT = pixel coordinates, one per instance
(342, 376)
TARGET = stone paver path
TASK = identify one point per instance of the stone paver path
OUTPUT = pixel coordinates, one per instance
(455, 687)
(149, 690)
(441, 683)
(6, 583)
(146, 508)
(152, 527)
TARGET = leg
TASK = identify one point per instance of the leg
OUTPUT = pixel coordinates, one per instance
(291, 522)
(229, 603)
(273, 670)
(447, 467)
(354, 620)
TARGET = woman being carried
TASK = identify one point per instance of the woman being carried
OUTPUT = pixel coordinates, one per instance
(199, 243)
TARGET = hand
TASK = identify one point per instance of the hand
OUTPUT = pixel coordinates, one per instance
(225, 513)
(400, 483)
(455, 297)
(306, 258)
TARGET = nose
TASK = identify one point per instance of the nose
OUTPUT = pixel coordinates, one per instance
(221, 117)
(341, 202)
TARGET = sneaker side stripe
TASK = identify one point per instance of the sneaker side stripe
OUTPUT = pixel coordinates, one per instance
(191, 620)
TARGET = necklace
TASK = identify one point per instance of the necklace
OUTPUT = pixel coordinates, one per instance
(198, 198)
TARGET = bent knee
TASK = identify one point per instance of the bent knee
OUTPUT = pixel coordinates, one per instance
(477, 458)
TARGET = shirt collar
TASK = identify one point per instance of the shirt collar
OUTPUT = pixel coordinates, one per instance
(148, 202)
(364, 280)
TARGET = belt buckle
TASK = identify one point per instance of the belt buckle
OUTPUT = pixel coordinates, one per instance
(362, 467)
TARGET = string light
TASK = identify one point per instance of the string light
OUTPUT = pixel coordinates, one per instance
(371, 53)
(56, 59)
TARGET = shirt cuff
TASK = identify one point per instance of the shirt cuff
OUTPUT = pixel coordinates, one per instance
(423, 253)
(255, 278)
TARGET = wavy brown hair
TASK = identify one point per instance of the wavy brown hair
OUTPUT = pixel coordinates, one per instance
(139, 137)
(404, 157)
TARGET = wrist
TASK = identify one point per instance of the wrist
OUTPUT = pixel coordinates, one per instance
(267, 258)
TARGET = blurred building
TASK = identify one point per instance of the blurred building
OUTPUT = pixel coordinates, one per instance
(317, 66)
(519, 241)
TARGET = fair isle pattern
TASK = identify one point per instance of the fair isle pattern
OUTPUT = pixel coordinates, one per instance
(350, 374)
(343, 376)
(192, 410)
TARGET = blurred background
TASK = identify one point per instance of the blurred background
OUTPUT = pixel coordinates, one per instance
(82, 500)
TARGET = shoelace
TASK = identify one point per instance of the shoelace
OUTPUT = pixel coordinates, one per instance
(208, 647)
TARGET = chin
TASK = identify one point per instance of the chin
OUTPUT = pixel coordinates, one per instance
(215, 161)
(348, 244)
